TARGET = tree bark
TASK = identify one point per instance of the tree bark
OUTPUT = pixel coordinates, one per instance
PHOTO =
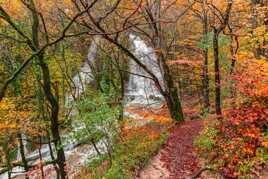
(217, 73)
(22, 153)
(8, 162)
(174, 105)
(52, 99)
(171, 95)
(41, 158)
(257, 51)
(216, 34)
(52, 155)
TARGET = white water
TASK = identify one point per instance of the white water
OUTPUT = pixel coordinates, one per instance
(80, 81)
(85, 76)
(139, 91)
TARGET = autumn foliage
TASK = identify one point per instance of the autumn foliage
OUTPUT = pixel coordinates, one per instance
(240, 144)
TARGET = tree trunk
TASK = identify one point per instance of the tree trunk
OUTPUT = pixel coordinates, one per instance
(257, 51)
(22, 153)
(122, 83)
(54, 116)
(7, 157)
(52, 99)
(171, 95)
(174, 105)
(205, 62)
(41, 158)
(95, 147)
(52, 155)
(206, 81)
(217, 72)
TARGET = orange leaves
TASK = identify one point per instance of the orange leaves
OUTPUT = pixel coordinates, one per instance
(160, 116)
(163, 120)
(264, 143)
(249, 150)
(13, 7)
(248, 121)
(251, 79)
(250, 134)
(148, 123)
(146, 131)
(184, 62)
(241, 135)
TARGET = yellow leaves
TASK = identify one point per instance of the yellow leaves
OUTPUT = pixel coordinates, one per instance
(14, 115)
(6, 105)
(260, 30)
(184, 62)
(7, 126)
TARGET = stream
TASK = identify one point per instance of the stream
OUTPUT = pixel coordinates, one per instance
(139, 91)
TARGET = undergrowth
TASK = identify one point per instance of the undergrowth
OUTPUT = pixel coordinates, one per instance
(234, 150)
(131, 153)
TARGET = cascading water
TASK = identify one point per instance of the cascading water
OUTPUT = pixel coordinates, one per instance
(142, 90)
(84, 77)
(80, 80)
(139, 91)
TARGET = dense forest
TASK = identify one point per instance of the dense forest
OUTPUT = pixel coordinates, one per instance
(142, 89)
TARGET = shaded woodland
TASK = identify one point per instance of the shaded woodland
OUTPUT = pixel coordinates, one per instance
(112, 88)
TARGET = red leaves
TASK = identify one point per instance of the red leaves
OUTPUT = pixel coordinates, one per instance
(240, 135)
(178, 154)
(242, 129)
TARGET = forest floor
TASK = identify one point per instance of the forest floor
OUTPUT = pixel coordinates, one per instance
(177, 159)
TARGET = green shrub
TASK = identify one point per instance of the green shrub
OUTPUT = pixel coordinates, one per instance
(206, 141)
(132, 153)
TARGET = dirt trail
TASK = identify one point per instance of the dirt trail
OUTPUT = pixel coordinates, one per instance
(155, 170)
(177, 160)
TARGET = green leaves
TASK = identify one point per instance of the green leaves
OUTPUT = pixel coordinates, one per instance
(206, 42)
(98, 116)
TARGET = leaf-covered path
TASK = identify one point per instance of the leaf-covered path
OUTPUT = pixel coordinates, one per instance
(177, 159)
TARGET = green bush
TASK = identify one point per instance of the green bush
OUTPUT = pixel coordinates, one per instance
(130, 154)
(206, 140)
(97, 118)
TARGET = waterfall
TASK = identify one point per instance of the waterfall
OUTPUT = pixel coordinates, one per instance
(141, 90)
(84, 77)
(80, 80)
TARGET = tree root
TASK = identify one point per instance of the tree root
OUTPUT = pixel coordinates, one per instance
(201, 171)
